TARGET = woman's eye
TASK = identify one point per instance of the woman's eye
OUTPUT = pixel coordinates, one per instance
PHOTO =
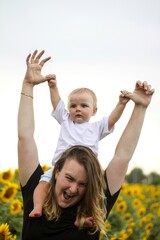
(69, 179)
(83, 184)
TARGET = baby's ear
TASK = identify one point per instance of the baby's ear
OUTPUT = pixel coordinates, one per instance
(94, 111)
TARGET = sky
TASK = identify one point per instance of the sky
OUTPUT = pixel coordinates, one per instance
(105, 45)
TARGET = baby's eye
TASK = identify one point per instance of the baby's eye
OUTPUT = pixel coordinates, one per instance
(73, 106)
(84, 105)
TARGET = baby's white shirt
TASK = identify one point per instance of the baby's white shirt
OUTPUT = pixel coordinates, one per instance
(86, 134)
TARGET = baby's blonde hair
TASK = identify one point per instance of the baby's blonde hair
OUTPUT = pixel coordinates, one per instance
(85, 90)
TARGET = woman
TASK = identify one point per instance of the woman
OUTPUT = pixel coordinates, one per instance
(78, 181)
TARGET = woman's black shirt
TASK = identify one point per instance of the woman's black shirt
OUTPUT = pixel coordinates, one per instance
(64, 228)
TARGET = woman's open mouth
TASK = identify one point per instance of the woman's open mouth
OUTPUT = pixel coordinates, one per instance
(67, 196)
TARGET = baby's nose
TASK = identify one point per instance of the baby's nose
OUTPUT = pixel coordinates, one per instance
(78, 108)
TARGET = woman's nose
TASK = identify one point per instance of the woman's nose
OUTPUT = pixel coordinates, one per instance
(74, 188)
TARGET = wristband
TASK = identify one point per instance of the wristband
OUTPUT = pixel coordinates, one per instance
(26, 95)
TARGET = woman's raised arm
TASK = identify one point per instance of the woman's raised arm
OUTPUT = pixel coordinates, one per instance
(27, 149)
(118, 166)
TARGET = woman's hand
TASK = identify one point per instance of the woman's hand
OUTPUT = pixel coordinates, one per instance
(33, 74)
(141, 95)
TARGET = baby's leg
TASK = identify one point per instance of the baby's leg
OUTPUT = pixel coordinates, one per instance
(39, 197)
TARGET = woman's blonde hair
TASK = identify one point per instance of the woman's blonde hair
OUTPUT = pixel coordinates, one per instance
(93, 202)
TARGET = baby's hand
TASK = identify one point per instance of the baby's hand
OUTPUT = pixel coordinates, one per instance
(123, 99)
(86, 222)
(89, 222)
(52, 82)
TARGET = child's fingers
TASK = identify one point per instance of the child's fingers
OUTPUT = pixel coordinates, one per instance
(125, 93)
(51, 76)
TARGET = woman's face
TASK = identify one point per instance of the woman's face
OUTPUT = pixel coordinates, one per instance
(71, 183)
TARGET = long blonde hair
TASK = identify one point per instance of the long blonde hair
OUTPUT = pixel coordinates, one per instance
(93, 202)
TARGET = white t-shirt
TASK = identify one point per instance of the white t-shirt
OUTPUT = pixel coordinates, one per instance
(87, 134)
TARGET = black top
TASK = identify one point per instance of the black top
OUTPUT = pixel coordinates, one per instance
(64, 228)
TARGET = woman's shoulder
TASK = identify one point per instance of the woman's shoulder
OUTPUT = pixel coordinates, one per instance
(111, 199)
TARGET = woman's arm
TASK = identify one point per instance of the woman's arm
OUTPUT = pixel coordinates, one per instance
(118, 166)
(27, 149)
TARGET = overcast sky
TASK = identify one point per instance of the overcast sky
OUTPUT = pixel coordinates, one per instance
(105, 45)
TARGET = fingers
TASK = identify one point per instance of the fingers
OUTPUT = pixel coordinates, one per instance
(139, 84)
(149, 90)
(51, 76)
(125, 93)
(44, 61)
(145, 86)
(38, 56)
(27, 59)
(35, 59)
(89, 222)
(33, 56)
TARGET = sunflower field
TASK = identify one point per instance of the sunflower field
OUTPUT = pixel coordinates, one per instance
(135, 216)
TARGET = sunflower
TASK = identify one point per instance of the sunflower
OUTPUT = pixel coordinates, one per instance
(4, 231)
(16, 207)
(149, 226)
(107, 226)
(127, 216)
(103, 236)
(158, 213)
(121, 207)
(13, 237)
(116, 238)
(136, 203)
(45, 168)
(128, 233)
(8, 192)
(141, 211)
(6, 176)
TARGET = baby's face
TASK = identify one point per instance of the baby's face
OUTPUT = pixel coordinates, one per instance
(81, 107)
